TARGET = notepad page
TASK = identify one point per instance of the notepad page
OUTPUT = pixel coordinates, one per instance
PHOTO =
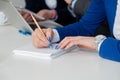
(30, 50)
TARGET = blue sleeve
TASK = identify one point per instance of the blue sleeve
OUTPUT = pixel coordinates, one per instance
(88, 24)
(110, 49)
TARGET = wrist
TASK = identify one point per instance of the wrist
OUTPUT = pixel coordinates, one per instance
(56, 36)
(98, 41)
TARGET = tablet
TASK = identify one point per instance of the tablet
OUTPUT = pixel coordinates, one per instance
(28, 11)
(14, 17)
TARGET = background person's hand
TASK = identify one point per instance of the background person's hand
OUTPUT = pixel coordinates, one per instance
(80, 41)
(47, 14)
(26, 16)
(39, 40)
(68, 1)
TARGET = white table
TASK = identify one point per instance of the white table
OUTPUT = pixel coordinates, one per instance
(79, 64)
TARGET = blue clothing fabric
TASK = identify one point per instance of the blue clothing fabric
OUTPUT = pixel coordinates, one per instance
(64, 16)
(96, 13)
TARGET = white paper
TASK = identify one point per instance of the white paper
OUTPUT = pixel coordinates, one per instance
(43, 53)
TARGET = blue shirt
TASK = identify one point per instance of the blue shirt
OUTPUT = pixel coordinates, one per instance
(95, 15)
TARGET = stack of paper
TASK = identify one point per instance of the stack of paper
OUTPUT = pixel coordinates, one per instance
(43, 53)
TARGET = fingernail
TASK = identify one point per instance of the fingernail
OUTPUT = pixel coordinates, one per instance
(57, 47)
(49, 45)
(49, 39)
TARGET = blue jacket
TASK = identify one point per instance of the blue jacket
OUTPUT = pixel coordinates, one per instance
(64, 16)
(96, 13)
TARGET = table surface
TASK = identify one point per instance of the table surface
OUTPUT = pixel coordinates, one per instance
(79, 64)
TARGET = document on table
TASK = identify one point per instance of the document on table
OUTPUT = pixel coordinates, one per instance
(43, 53)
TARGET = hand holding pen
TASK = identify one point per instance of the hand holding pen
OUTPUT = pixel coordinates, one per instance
(39, 40)
(41, 37)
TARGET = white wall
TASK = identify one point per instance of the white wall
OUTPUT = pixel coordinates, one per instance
(18, 3)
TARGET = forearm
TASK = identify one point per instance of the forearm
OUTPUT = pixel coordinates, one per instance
(76, 29)
(109, 48)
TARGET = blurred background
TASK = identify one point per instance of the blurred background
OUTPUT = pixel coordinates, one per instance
(18, 3)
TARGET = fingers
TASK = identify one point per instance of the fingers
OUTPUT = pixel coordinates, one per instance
(81, 41)
(68, 42)
(39, 40)
(68, 1)
(41, 13)
(45, 13)
(26, 16)
(21, 12)
(40, 35)
(49, 34)
(72, 43)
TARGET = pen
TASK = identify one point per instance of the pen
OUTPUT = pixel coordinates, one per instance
(50, 45)
(37, 25)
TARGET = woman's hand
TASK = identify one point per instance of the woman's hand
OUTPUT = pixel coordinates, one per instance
(47, 14)
(80, 41)
(68, 1)
(39, 40)
(26, 16)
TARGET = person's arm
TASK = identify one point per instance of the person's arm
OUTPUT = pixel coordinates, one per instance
(109, 48)
(88, 24)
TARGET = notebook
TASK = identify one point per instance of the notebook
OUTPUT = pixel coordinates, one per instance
(42, 53)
